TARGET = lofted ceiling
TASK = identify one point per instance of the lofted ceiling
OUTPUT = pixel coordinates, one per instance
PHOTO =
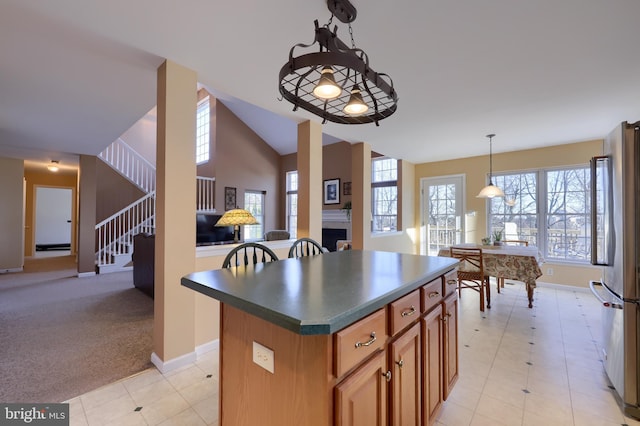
(76, 74)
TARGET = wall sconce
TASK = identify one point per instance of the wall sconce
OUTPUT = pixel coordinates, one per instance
(314, 80)
(53, 167)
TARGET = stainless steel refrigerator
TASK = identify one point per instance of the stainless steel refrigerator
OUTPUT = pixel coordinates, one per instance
(616, 246)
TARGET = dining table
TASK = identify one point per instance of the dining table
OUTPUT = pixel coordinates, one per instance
(512, 262)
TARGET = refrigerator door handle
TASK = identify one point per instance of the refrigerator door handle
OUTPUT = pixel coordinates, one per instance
(596, 293)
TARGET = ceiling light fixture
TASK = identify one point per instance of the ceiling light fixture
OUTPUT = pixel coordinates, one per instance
(53, 167)
(315, 79)
(490, 191)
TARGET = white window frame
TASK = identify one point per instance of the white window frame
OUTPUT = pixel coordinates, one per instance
(380, 179)
(203, 130)
(292, 204)
(554, 248)
(433, 238)
(254, 232)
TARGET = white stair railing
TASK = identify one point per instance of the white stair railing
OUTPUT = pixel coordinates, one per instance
(130, 164)
(114, 235)
(205, 192)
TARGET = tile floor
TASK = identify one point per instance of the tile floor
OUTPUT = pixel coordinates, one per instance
(518, 366)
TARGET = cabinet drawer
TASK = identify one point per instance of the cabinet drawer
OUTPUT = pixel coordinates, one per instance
(404, 311)
(359, 340)
(450, 282)
(431, 294)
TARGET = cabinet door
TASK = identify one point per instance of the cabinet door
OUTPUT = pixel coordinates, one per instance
(432, 376)
(450, 343)
(361, 398)
(406, 367)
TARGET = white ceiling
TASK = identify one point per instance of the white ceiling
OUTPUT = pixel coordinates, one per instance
(76, 74)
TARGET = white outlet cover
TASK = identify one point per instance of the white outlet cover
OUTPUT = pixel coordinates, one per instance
(263, 356)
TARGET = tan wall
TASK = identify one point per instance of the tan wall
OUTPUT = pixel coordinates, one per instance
(476, 169)
(49, 179)
(245, 162)
(11, 213)
(113, 192)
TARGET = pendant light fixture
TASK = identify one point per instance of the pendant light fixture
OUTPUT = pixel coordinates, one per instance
(490, 191)
(317, 79)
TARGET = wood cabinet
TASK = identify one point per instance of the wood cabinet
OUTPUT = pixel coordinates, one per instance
(433, 356)
(392, 367)
(361, 398)
(405, 364)
(450, 321)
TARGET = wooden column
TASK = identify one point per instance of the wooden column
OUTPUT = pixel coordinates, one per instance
(361, 195)
(174, 305)
(87, 183)
(310, 180)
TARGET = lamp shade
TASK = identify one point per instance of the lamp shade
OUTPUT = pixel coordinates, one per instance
(236, 217)
(490, 191)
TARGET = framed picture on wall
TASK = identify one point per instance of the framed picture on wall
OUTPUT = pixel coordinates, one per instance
(346, 188)
(332, 191)
(229, 198)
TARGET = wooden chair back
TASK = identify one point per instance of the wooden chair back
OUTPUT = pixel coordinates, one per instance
(305, 247)
(471, 272)
(518, 242)
(247, 254)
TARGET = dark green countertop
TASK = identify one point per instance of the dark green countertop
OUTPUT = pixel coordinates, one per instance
(320, 294)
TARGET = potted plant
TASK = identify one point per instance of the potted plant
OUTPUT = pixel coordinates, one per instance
(486, 241)
(347, 208)
(497, 238)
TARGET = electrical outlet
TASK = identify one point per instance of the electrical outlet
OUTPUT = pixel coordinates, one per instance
(263, 356)
(549, 271)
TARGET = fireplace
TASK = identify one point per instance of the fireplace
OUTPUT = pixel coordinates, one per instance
(330, 237)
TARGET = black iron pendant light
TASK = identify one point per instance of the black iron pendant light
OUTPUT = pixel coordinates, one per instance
(335, 82)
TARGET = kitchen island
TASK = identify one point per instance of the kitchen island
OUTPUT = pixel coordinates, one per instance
(311, 341)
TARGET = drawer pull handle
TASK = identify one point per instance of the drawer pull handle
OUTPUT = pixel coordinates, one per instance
(387, 375)
(443, 319)
(408, 312)
(369, 343)
(449, 314)
(452, 282)
(433, 294)
(400, 363)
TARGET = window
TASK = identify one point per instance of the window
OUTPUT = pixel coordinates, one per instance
(384, 194)
(254, 203)
(292, 203)
(443, 199)
(548, 208)
(202, 131)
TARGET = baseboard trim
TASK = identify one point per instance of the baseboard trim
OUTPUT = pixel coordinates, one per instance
(8, 270)
(564, 287)
(207, 347)
(186, 359)
(86, 274)
(173, 364)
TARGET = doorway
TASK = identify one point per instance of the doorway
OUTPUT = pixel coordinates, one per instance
(53, 221)
(442, 207)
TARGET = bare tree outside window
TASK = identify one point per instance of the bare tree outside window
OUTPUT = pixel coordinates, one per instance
(384, 194)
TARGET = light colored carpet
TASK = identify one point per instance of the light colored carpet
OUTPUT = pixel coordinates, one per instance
(61, 336)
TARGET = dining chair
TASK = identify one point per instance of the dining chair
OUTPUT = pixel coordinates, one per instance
(500, 280)
(247, 254)
(471, 273)
(305, 247)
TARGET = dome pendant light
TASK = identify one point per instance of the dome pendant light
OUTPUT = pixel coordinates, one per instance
(490, 191)
(327, 88)
(356, 104)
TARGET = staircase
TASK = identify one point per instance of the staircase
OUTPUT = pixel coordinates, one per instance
(114, 235)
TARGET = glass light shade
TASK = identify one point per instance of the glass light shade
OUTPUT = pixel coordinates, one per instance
(236, 217)
(490, 191)
(53, 167)
(327, 88)
(356, 104)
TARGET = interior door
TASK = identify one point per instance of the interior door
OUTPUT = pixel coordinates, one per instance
(53, 217)
(443, 222)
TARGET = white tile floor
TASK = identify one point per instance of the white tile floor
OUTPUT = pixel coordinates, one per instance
(518, 366)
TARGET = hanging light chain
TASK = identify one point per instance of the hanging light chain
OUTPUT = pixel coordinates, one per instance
(353, 43)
